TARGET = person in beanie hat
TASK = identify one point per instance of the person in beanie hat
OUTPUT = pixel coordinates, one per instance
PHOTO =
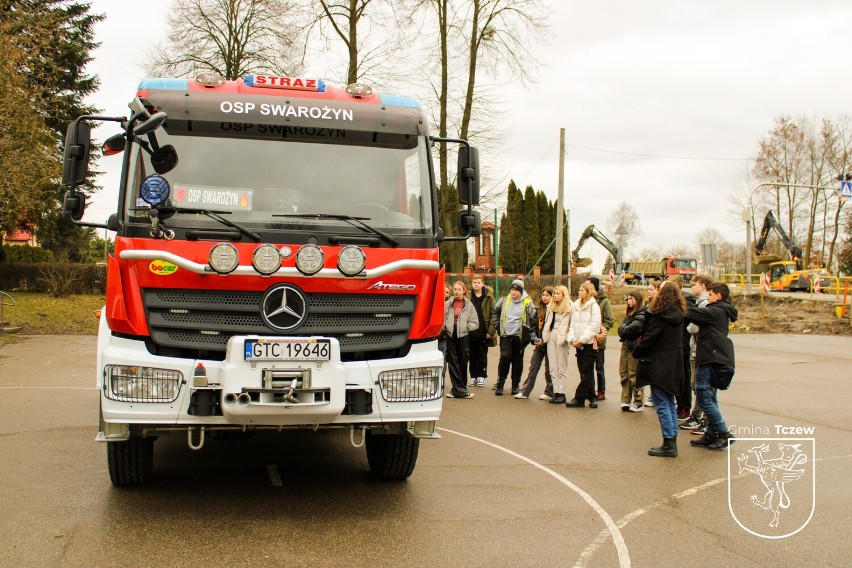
(514, 317)
(607, 321)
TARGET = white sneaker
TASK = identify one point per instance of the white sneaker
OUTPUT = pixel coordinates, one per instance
(649, 404)
(480, 382)
(520, 395)
(636, 407)
(471, 383)
(545, 397)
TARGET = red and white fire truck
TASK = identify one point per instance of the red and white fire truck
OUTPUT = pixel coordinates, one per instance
(275, 267)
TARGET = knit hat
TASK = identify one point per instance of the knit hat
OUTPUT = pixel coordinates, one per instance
(519, 284)
(596, 283)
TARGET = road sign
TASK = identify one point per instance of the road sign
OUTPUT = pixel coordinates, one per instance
(845, 190)
(764, 279)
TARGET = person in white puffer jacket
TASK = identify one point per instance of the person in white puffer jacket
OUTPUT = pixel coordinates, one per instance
(585, 325)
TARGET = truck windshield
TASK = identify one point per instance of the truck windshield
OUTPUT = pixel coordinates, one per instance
(257, 180)
(687, 263)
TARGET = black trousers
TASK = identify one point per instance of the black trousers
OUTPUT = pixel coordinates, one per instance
(684, 399)
(457, 352)
(586, 357)
(478, 357)
(511, 355)
(599, 369)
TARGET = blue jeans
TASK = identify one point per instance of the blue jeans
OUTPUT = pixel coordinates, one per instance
(707, 400)
(666, 407)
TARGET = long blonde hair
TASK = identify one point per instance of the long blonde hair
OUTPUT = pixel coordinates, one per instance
(590, 291)
(560, 307)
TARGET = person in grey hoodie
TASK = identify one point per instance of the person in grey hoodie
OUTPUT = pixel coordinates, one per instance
(459, 320)
(515, 319)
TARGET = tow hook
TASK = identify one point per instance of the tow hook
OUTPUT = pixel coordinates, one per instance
(192, 445)
(360, 442)
(288, 395)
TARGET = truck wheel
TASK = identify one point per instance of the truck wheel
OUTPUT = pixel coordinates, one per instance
(130, 462)
(391, 456)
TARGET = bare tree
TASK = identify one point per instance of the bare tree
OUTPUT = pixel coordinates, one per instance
(623, 221)
(782, 157)
(372, 32)
(797, 153)
(231, 37)
(485, 37)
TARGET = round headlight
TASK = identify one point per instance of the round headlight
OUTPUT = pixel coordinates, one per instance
(351, 260)
(224, 258)
(154, 190)
(309, 259)
(266, 259)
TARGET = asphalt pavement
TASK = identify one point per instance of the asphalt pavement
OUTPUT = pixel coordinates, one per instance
(512, 482)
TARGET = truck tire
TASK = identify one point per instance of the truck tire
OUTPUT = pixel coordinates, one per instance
(391, 456)
(130, 462)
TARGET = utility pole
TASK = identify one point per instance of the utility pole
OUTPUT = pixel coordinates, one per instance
(559, 201)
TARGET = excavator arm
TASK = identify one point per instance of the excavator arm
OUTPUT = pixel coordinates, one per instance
(592, 232)
(770, 222)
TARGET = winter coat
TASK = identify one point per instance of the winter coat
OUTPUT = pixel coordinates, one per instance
(486, 326)
(560, 329)
(630, 328)
(467, 318)
(585, 321)
(660, 346)
(529, 318)
(607, 319)
(714, 345)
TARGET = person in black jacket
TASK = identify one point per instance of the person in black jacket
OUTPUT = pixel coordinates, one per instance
(629, 330)
(714, 357)
(660, 353)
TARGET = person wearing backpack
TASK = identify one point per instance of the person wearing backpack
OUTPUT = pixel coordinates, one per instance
(714, 362)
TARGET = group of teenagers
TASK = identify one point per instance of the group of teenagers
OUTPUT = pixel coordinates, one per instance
(674, 342)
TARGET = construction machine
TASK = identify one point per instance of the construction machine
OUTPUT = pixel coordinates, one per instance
(592, 232)
(785, 274)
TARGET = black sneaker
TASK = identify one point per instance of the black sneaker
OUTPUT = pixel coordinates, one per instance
(690, 424)
(498, 391)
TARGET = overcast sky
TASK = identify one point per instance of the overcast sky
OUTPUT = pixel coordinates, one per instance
(663, 102)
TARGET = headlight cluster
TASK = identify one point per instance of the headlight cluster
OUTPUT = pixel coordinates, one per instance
(411, 385)
(266, 259)
(141, 384)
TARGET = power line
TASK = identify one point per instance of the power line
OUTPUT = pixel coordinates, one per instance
(666, 156)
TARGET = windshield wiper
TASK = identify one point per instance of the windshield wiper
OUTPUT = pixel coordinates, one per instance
(354, 221)
(166, 212)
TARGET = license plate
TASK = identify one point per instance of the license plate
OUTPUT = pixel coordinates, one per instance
(287, 349)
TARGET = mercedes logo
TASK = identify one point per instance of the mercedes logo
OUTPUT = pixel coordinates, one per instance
(283, 307)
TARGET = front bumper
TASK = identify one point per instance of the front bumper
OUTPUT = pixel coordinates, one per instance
(246, 394)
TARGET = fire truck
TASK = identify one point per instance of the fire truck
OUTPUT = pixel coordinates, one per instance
(275, 267)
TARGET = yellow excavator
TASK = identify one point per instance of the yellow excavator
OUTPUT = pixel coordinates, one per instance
(591, 231)
(786, 274)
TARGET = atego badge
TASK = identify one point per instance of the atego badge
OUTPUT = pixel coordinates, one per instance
(772, 485)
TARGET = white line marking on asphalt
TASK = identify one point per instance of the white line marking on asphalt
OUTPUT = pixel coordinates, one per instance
(611, 528)
(272, 470)
(630, 517)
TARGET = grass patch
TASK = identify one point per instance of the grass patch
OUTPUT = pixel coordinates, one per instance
(41, 314)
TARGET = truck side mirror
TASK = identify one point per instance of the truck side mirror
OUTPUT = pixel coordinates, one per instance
(74, 204)
(76, 163)
(470, 223)
(468, 176)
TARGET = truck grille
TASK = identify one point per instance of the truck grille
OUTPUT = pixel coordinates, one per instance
(204, 320)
